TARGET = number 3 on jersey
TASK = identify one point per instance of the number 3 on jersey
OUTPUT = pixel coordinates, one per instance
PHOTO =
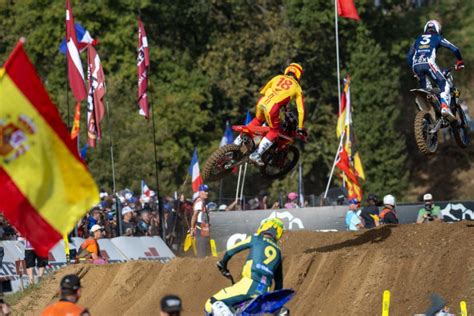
(426, 39)
(270, 253)
(284, 83)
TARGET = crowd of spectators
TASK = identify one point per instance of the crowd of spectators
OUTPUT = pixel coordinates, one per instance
(376, 213)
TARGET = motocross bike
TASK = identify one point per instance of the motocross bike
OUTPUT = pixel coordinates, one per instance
(278, 160)
(268, 303)
(426, 126)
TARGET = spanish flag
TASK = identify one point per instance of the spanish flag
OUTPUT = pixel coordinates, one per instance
(45, 187)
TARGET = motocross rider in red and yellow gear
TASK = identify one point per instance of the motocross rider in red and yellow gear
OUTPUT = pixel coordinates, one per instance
(276, 94)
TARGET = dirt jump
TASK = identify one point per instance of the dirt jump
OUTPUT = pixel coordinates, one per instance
(333, 273)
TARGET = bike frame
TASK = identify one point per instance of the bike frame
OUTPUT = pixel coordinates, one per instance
(254, 132)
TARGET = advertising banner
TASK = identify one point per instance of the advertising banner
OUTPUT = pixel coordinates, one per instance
(228, 228)
(115, 250)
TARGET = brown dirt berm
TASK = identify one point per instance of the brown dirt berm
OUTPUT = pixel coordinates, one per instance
(335, 273)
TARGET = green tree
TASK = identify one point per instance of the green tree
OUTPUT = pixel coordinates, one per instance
(374, 89)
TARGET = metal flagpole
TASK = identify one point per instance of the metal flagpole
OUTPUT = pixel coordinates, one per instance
(300, 185)
(158, 196)
(238, 183)
(334, 164)
(111, 145)
(243, 181)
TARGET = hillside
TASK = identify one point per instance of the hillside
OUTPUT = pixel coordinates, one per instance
(338, 273)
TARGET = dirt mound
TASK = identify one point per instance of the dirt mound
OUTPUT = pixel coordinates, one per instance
(335, 273)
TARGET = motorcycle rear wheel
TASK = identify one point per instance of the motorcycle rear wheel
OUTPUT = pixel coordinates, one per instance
(220, 163)
(290, 160)
(427, 142)
(461, 129)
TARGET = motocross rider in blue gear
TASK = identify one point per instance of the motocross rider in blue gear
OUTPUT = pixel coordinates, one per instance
(422, 60)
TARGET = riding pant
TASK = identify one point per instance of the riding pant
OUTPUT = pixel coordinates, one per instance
(269, 113)
(432, 70)
(241, 291)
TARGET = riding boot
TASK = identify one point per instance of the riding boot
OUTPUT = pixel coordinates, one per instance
(238, 140)
(446, 112)
(256, 156)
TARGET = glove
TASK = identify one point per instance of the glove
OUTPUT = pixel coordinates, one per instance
(223, 269)
(459, 65)
(301, 132)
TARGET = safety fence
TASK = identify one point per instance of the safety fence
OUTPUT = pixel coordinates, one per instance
(120, 249)
(229, 228)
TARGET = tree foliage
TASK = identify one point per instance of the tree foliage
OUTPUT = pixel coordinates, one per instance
(208, 61)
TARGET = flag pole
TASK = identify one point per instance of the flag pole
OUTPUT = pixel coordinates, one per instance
(109, 115)
(334, 164)
(337, 57)
(158, 196)
(300, 185)
(243, 182)
(238, 183)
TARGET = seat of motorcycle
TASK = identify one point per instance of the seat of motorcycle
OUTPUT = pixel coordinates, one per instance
(435, 90)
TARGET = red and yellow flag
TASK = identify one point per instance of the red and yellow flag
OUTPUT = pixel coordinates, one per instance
(45, 187)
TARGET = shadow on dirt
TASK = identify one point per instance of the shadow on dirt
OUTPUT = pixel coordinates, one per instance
(370, 236)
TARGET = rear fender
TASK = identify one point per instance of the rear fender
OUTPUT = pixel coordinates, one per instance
(421, 99)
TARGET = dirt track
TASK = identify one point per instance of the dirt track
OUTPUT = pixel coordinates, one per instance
(333, 273)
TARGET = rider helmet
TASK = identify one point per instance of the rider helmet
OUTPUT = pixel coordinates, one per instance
(433, 27)
(294, 69)
(273, 227)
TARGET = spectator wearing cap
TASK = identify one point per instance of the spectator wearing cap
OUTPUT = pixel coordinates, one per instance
(353, 221)
(171, 306)
(370, 213)
(128, 227)
(70, 289)
(388, 215)
(429, 212)
(90, 247)
(292, 201)
(200, 226)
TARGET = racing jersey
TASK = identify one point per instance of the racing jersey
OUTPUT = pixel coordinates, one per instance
(423, 51)
(279, 91)
(264, 262)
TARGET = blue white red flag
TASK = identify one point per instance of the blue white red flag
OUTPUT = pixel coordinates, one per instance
(84, 38)
(248, 118)
(194, 172)
(228, 137)
(145, 189)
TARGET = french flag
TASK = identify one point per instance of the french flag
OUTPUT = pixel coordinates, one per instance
(194, 172)
(228, 137)
(145, 189)
(84, 38)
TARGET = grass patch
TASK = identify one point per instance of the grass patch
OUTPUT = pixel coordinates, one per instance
(14, 298)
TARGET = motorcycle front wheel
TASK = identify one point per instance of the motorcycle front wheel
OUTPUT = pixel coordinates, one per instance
(221, 162)
(280, 164)
(427, 142)
(461, 129)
